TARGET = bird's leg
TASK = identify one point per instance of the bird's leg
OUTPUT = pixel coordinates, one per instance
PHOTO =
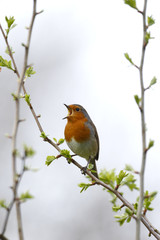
(84, 169)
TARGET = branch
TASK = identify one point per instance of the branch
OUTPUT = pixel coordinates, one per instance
(143, 127)
(9, 209)
(152, 230)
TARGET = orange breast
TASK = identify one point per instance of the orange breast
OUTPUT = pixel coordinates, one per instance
(78, 130)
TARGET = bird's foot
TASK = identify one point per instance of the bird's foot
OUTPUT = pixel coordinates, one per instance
(83, 170)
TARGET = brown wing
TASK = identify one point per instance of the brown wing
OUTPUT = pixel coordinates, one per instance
(97, 138)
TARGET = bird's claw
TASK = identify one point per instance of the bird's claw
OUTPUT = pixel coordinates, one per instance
(83, 170)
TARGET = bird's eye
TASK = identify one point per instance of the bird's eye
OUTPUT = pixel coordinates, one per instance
(77, 109)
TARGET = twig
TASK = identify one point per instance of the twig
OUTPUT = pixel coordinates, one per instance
(10, 52)
(143, 128)
(20, 83)
(9, 209)
(2, 237)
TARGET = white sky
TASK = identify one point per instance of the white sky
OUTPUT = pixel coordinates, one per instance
(78, 53)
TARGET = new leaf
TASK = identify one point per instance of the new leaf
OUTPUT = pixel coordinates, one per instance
(49, 160)
(5, 63)
(3, 204)
(121, 176)
(10, 23)
(29, 72)
(65, 153)
(25, 196)
(131, 3)
(150, 21)
(128, 58)
(153, 81)
(27, 99)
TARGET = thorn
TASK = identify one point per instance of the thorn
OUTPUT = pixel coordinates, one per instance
(22, 96)
(122, 206)
(58, 156)
(23, 45)
(29, 65)
(73, 155)
(116, 188)
(8, 136)
(21, 120)
(38, 116)
(140, 11)
(136, 66)
(39, 12)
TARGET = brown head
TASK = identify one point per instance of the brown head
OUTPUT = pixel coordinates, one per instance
(76, 112)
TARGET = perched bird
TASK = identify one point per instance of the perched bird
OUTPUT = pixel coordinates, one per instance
(81, 135)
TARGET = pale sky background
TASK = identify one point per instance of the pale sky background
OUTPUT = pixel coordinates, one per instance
(78, 51)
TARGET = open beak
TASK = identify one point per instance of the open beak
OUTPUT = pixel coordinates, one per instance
(69, 111)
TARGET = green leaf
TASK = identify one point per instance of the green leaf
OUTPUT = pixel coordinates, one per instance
(121, 218)
(151, 144)
(137, 99)
(65, 153)
(150, 21)
(25, 196)
(108, 177)
(153, 194)
(116, 208)
(28, 168)
(49, 160)
(147, 37)
(84, 186)
(29, 72)
(129, 212)
(43, 135)
(120, 177)
(14, 95)
(10, 24)
(29, 151)
(9, 21)
(5, 63)
(3, 204)
(148, 198)
(7, 51)
(129, 168)
(128, 219)
(129, 181)
(60, 141)
(90, 166)
(27, 99)
(131, 3)
(135, 206)
(128, 58)
(153, 81)
(55, 140)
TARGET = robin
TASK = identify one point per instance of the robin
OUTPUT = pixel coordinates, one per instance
(81, 135)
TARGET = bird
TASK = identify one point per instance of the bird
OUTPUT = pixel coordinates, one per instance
(81, 135)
